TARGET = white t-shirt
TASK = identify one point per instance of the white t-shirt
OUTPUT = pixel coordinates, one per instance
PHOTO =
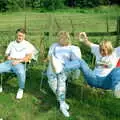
(19, 50)
(61, 55)
(105, 64)
(65, 53)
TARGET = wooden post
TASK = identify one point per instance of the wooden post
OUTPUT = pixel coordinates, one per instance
(57, 24)
(73, 30)
(107, 24)
(51, 27)
(25, 15)
(118, 32)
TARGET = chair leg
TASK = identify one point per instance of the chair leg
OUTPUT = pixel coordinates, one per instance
(43, 74)
(1, 79)
(41, 82)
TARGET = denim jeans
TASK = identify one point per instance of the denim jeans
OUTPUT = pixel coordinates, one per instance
(111, 81)
(18, 69)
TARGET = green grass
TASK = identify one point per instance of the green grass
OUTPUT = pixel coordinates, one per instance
(86, 103)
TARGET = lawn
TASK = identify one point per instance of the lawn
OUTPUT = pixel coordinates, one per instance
(86, 103)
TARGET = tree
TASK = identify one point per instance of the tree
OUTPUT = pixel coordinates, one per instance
(52, 4)
(3, 5)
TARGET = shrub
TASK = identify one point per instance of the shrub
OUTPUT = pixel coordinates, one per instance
(15, 4)
(3, 5)
(52, 4)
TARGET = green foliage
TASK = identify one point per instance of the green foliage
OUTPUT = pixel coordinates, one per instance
(84, 3)
(52, 4)
(33, 3)
(114, 2)
(15, 5)
(3, 5)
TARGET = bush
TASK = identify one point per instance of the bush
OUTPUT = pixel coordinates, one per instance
(33, 3)
(86, 3)
(114, 2)
(15, 4)
(3, 5)
(52, 4)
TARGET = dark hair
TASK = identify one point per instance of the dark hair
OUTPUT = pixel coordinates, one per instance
(22, 30)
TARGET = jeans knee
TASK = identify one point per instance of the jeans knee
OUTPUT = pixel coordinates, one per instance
(21, 72)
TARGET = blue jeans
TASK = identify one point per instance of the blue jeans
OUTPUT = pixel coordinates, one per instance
(109, 82)
(18, 69)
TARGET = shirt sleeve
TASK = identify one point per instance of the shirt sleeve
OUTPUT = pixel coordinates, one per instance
(31, 49)
(8, 50)
(95, 49)
(76, 53)
(51, 49)
(118, 51)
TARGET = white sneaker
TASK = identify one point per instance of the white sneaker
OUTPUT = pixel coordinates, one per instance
(64, 110)
(117, 93)
(1, 89)
(19, 94)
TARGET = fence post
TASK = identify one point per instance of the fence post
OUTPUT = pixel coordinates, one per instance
(51, 27)
(118, 31)
(107, 24)
(25, 20)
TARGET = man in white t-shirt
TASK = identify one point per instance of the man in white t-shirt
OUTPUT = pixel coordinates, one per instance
(17, 53)
(105, 74)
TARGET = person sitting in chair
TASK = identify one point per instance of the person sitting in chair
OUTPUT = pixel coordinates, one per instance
(59, 54)
(17, 54)
(105, 74)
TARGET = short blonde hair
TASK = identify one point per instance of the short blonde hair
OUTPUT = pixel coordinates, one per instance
(65, 36)
(108, 45)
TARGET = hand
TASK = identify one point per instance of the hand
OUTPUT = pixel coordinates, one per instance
(82, 37)
(9, 58)
(15, 62)
(45, 60)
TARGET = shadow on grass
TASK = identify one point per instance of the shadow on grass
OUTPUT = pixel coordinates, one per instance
(9, 83)
(46, 98)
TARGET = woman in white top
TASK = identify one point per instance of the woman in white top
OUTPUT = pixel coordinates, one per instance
(59, 54)
(105, 74)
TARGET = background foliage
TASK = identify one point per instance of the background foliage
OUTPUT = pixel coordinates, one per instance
(6, 5)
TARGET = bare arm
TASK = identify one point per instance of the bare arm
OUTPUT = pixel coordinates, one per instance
(83, 38)
(27, 58)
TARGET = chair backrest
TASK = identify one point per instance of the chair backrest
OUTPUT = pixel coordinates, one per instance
(118, 63)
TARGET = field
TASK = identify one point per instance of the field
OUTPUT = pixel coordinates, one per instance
(86, 103)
